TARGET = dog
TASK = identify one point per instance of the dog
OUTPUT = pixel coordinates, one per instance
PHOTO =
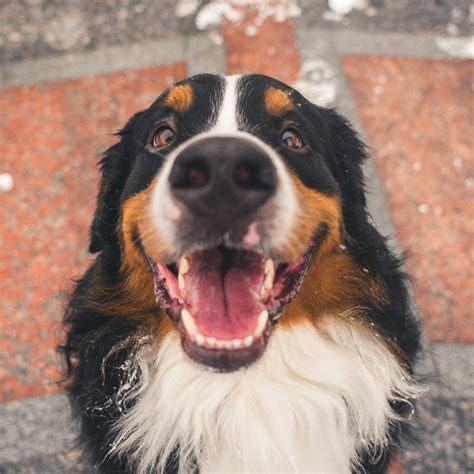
(242, 313)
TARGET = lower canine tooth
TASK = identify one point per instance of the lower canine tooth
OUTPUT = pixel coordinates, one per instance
(188, 322)
(261, 323)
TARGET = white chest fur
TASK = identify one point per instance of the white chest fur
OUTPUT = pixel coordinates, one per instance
(309, 405)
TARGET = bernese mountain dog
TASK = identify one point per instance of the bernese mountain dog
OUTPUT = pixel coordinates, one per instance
(242, 313)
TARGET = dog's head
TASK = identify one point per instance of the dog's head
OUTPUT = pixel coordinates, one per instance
(219, 199)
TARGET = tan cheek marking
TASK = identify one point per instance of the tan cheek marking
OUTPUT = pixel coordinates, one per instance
(180, 98)
(135, 294)
(335, 283)
(277, 101)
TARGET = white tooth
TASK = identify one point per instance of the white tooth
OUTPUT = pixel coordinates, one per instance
(219, 344)
(248, 341)
(268, 280)
(188, 322)
(262, 322)
(264, 293)
(236, 343)
(181, 283)
(228, 344)
(211, 341)
(269, 267)
(200, 339)
(184, 266)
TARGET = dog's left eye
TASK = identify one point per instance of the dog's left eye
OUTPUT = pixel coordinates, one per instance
(292, 138)
(162, 137)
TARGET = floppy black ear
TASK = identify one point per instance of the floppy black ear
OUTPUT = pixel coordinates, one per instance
(115, 166)
(348, 154)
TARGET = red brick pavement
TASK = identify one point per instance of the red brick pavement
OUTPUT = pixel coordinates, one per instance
(50, 137)
(418, 119)
(272, 51)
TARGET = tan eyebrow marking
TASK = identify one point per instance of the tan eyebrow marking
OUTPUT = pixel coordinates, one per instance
(180, 98)
(277, 101)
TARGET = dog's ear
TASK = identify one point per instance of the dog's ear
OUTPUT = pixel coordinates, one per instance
(115, 166)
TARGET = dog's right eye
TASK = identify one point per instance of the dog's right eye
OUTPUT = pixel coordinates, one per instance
(162, 137)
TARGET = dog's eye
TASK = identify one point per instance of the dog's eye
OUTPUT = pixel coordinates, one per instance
(292, 138)
(162, 137)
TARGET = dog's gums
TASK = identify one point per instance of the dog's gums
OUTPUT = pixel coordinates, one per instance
(225, 301)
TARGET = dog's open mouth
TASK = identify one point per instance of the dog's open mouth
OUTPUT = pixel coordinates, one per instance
(225, 301)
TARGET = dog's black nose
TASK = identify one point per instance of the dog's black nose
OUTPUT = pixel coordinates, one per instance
(223, 177)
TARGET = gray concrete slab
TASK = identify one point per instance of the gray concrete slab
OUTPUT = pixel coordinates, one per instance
(442, 438)
(452, 375)
(35, 427)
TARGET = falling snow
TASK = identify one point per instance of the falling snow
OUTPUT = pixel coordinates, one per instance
(462, 47)
(317, 81)
(343, 7)
(6, 182)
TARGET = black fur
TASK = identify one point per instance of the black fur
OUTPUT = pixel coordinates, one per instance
(332, 165)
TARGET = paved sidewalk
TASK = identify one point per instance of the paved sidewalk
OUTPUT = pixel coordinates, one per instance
(72, 75)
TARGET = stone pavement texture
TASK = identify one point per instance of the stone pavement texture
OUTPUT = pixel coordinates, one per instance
(72, 72)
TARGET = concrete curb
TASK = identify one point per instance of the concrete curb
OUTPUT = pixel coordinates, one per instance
(198, 52)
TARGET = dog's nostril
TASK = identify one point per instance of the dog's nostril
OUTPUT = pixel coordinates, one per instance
(198, 175)
(253, 176)
(194, 175)
(243, 174)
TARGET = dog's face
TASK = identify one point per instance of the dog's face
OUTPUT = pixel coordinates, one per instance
(223, 194)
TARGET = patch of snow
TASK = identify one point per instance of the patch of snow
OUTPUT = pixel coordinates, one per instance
(462, 47)
(317, 81)
(212, 14)
(251, 30)
(452, 29)
(329, 15)
(186, 8)
(6, 182)
(216, 37)
(271, 51)
(343, 7)
(378, 90)
(423, 208)
(371, 11)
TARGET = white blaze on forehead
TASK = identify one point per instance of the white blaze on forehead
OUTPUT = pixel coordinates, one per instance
(227, 118)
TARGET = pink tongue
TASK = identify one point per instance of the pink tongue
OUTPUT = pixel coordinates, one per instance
(225, 306)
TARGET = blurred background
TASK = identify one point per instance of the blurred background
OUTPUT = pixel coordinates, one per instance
(72, 72)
